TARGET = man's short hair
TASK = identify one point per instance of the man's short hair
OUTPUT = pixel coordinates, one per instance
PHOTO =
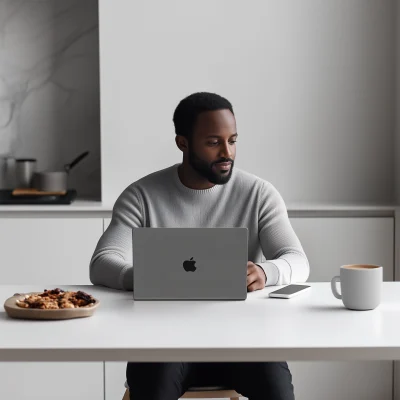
(190, 107)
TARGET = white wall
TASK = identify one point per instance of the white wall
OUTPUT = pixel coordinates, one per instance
(311, 82)
(49, 86)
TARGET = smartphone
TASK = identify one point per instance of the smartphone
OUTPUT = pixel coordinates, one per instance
(289, 291)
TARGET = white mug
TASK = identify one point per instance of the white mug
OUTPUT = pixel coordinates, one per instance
(361, 286)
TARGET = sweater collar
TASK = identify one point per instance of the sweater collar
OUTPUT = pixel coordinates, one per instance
(185, 189)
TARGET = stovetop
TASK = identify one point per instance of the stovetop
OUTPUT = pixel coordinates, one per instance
(6, 197)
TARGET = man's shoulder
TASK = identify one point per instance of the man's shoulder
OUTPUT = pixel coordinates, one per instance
(155, 177)
(246, 181)
(249, 180)
(147, 183)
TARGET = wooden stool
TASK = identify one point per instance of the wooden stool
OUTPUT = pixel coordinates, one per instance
(204, 393)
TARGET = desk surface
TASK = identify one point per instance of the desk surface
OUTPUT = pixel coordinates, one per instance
(311, 326)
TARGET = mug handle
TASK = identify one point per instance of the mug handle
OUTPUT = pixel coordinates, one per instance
(335, 292)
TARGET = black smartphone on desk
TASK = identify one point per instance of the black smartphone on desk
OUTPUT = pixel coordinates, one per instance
(289, 291)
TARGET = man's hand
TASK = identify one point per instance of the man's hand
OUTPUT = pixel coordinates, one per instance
(256, 278)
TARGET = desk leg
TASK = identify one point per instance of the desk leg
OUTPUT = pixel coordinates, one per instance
(396, 364)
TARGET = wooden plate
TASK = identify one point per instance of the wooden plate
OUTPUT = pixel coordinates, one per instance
(34, 192)
(14, 311)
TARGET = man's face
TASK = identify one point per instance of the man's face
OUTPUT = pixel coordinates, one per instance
(212, 147)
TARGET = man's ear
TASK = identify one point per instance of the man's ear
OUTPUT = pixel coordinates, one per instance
(182, 143)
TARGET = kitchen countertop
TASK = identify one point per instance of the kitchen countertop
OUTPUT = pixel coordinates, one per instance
(341, 209)
(341, 206)
(78, 207)
(294, 209)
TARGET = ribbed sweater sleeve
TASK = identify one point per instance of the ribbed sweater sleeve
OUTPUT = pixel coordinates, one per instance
(111, 263)
(286, 261)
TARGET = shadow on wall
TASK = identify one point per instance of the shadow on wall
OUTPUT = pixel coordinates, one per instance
(49, 86)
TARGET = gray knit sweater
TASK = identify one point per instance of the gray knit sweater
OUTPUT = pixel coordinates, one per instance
(161, 200)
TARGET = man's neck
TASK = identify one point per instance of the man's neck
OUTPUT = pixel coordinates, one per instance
(191, 178)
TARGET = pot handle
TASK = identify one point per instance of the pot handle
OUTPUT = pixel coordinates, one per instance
(75, 161)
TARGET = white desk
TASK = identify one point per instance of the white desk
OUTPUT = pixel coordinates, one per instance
(312, 326)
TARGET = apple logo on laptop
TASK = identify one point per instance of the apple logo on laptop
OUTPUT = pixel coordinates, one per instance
(188, 265)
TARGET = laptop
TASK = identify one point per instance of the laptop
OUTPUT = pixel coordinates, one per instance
(189, 263)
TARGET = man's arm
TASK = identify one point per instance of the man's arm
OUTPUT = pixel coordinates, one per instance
(111, 263)
(286, 261)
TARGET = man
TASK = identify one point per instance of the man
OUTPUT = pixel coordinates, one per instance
(205, 190)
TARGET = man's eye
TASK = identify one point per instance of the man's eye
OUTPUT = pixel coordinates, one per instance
(216, 143)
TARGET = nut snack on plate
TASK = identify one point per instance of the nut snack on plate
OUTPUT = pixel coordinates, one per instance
(56, 299)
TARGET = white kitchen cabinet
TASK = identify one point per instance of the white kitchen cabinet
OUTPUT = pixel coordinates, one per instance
(61, 247)
(366, 380)
(330, 243)
(115, 376)
(50, 381)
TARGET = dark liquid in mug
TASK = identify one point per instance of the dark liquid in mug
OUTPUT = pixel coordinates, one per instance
(361, 267)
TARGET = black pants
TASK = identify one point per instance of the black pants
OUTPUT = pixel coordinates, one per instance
(168, 381)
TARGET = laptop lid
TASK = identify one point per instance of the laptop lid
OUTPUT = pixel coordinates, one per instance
(189, 263)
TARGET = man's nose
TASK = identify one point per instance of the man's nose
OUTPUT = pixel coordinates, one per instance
(226, 151)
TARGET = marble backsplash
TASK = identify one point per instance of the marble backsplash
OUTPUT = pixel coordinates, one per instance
(49, 86)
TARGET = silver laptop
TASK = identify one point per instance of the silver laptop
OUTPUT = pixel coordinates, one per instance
(189, 263)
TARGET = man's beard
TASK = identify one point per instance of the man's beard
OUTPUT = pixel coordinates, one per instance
(205, 170)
